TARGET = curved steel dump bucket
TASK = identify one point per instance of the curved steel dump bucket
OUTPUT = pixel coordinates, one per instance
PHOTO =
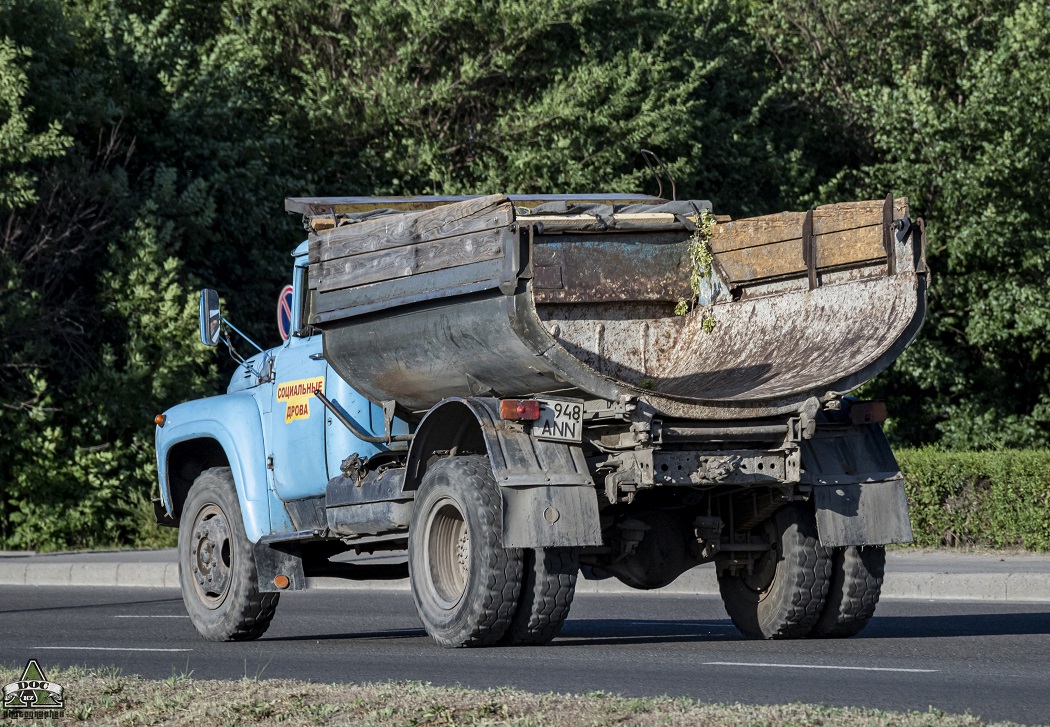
(476, 298)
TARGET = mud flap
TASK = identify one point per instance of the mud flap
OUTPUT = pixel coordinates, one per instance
(274, 559)
(550, 516)
(863, 513)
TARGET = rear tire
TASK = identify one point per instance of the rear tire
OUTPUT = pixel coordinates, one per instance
(856, 583)
(217, 572)
(547, 590)
(464, 583)
(784, 595)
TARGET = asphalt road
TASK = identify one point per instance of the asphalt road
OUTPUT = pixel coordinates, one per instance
(992, 659)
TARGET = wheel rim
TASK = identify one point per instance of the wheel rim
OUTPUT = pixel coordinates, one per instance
(764, 572)
(211, 556)
(448, 552)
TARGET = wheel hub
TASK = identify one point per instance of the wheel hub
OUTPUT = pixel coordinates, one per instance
(212, 556)
(759, 578)
(448, 552)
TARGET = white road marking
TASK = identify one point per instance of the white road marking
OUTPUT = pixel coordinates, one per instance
(710, 624)
(101, 648)
(819, 666)
(154, 616)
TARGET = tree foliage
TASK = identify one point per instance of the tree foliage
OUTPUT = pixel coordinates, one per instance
(948, 103)
(147, 148)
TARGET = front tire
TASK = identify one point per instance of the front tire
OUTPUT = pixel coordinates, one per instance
(783, 596)
(464, 583)
(217, 565)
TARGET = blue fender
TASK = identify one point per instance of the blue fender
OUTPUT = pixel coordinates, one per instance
(235, 423)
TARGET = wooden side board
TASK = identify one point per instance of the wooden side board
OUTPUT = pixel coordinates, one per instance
(760, 248)
(400, 262)
(355, 261)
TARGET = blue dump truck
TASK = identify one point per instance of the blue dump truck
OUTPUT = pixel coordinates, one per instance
(492, 395)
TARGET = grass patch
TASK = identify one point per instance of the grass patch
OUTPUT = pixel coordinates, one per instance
(103, 696)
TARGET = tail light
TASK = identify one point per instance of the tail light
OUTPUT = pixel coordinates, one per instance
(519, 410)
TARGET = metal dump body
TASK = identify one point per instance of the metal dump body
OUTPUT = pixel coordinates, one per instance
(576, 297)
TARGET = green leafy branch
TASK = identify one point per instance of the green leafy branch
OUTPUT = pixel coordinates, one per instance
(700, 260)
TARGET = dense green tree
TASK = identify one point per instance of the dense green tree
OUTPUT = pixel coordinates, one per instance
(150, 146)
(95, 314)
(146, 149)
(948, 103)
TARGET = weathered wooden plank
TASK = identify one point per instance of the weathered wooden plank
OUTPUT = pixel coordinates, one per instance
(848, 247)
(408, 260)
(757, 231)
(640, 217)
(752, 264)
(589, 223)
(391, 231)
(310, 206)
(770, 229)
(322, 224)
(851, 215)
(833, 250)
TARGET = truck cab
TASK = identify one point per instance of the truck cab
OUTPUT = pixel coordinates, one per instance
(270, 406)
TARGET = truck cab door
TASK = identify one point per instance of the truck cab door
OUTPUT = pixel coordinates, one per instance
(297, 417)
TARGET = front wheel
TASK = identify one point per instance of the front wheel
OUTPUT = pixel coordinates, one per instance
(782, 596)
(217, 566)
(464, 582)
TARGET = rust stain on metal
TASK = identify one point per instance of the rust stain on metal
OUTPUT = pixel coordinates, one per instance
(612, 268)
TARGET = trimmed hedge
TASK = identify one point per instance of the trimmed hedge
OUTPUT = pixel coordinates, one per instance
(997, 499)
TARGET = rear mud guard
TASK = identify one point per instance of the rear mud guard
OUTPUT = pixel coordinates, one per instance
(549, 498)
(862, 513)
(858, 489)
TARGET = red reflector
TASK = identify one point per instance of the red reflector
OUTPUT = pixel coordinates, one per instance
(519, 410)
(868, 412)
(529, 410)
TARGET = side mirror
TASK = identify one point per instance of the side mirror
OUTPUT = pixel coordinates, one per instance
(211, 318)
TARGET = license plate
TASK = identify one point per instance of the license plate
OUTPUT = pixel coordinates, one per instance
(561, 421)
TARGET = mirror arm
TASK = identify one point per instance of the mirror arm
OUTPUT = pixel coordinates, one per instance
(242, 335)
(236, 356)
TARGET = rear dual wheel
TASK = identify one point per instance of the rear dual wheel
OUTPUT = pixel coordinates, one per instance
(800, 588)
(782, 595)
(468, 589)
(547, 590)
(856, 582)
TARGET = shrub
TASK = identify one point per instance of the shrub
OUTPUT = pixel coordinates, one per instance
(997, 499)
